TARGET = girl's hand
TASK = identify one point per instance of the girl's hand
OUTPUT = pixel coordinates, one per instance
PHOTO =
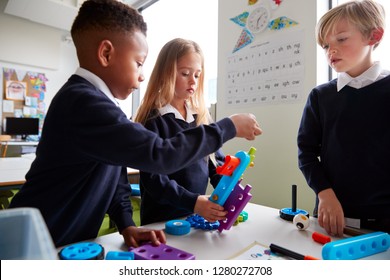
(209, 210)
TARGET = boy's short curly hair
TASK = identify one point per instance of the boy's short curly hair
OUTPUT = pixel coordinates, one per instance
(366, 15)
(108, 15)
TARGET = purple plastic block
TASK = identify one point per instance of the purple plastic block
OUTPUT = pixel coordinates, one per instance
(162, 252)
(234, 205)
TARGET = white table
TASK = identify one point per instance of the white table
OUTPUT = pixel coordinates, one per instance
(263, 225)
(20, 143)
(13, 171)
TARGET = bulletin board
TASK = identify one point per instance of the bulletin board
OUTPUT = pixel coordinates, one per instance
(23, 94)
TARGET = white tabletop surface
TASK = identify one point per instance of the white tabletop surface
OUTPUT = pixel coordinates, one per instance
(14, 169)
(263, 226)
(20, 143)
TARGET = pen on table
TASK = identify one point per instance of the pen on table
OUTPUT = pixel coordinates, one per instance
(283, 251)
(355, 231)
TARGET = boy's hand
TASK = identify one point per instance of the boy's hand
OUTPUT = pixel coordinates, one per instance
(246, 126)
(209, 210)
(330, 213)
(134, 236)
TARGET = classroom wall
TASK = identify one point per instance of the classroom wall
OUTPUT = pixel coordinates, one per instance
(276, 167)
(30, 46)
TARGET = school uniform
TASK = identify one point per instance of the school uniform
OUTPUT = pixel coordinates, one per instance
(344, 143)
(170, 196)
(79, 173)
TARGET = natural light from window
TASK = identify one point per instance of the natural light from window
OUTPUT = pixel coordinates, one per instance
(195, 20)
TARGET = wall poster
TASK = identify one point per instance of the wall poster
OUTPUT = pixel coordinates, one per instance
(269, 72)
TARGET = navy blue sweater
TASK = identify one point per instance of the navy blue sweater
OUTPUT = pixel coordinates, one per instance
(166, 197)
(344, 143)
(79, 175)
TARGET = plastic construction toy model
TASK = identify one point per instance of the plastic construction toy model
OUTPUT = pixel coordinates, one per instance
(356, 247)
(232, 171)
(161, 252)
(288, 214)
(229, 193)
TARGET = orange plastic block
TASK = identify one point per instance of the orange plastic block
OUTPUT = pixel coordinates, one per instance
(229, 166)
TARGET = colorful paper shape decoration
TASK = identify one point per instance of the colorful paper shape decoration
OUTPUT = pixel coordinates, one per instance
(240, 19)
(245, 39)
(246, 36)
(275, 3)
(281, 22)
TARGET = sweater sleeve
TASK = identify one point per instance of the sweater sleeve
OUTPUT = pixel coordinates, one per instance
(120, 209)
(101, 131)
(309, 145)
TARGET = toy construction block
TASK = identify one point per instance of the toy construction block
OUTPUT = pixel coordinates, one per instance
(162, 252)
(356, 247)
(232, 172)
(82, 251)
(234, 205)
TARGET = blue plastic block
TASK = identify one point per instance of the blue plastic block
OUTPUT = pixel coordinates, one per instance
(112, 255)
(135, 191)
(177, 227)
(227, 183)
(356, 247)
(82, 251)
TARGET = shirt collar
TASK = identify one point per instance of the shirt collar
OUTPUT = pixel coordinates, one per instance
(97, 82)
(374, 73)
(170, 109)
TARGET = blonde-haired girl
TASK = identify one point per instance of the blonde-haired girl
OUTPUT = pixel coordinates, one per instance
(173, 102)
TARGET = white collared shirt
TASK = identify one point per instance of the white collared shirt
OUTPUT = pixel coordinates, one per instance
(371, 75)
(170, 109)
(97, 82)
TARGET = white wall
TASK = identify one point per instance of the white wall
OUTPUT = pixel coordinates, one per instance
(276, 167)
(37, 47)
(30, 46)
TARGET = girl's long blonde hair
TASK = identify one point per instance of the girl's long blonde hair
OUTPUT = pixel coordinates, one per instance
(161, 87)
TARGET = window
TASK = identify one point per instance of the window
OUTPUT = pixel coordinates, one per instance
(195, 20)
